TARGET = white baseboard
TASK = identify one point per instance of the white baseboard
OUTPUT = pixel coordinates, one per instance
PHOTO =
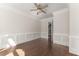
(18, 38)
(74, 44)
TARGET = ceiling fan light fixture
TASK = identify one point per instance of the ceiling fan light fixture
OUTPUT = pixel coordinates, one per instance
(40, 7)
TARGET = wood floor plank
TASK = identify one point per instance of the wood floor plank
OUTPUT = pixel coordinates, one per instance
(39, 47)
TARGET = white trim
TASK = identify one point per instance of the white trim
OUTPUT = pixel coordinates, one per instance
(62, 34)
(18, 38)
(61, 38)
(74, 36)
(74, 44)
(73, 51)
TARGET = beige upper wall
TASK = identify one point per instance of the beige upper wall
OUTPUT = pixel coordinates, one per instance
(44, 24)
(61, 21)
(13, 21)
(17, 18)
(74, 19)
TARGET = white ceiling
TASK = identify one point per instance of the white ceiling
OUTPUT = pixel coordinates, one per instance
(25, 8)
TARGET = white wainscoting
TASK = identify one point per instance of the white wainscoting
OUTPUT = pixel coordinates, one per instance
(17, 38)
(74, 44)
(58, 38)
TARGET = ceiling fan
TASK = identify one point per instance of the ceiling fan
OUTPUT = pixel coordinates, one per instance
(40, 8)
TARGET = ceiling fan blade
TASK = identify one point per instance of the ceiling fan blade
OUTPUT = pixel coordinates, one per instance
(44, 7)
(38, 12)
(39, 5)
(42, 11)
(33, 9)
(36, 4)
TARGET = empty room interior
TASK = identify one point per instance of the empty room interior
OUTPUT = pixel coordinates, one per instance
(39, 29)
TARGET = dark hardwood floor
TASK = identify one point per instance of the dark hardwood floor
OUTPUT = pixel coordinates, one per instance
(38, 47)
